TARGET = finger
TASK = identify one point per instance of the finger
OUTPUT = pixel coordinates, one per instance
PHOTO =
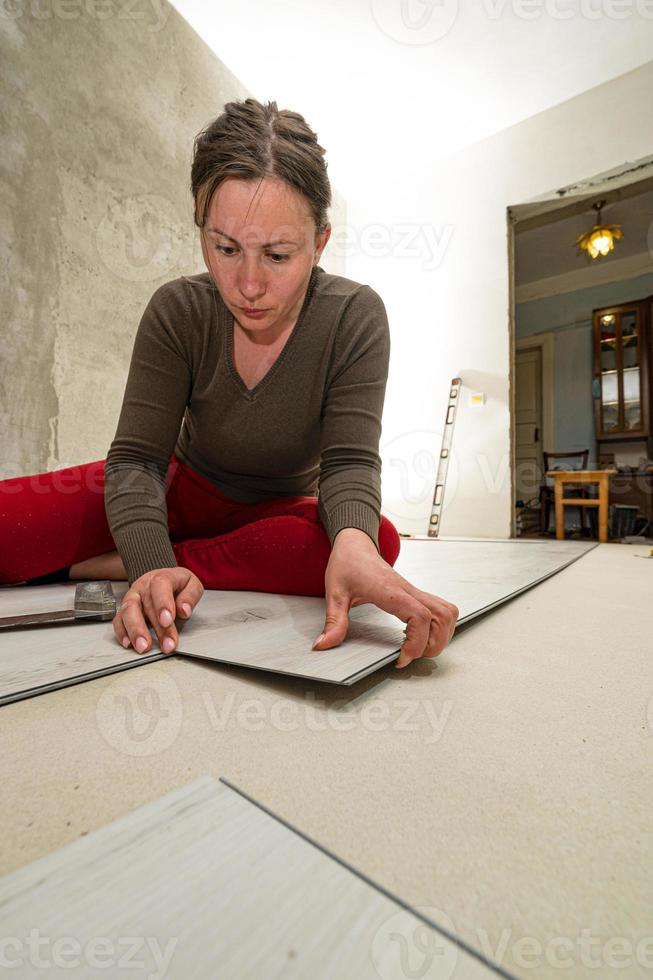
(134, 621)
(443, 627)
(162, 600)
(416, 616)
(445, 614)
(430, 650)
(417, 634)
(189, 596)
(455, 615)
(434, 602)
(336, 620)
(439, 634)
(435, 644)
(450, 619)
(119, 629)
(157, 600)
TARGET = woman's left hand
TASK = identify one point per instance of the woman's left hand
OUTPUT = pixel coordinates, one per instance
(356, 573)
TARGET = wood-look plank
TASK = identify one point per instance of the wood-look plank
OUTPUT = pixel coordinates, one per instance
(276, 633)
(203, 883)
(41, 659)
(273, 632)
(476, 576)
(479, 575)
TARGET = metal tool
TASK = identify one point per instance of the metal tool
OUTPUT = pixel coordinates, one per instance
(445, 452)
(94, 601)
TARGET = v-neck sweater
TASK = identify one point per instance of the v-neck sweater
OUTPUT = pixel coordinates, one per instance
(310, 427)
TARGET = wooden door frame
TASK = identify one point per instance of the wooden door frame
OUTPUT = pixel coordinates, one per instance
(546, 344)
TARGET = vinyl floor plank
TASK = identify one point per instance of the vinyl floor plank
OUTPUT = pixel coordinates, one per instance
(41, 659)
(476, 575)
(202, 882)
(272, 632)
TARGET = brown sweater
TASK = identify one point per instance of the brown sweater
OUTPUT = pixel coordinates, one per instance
(311, 426)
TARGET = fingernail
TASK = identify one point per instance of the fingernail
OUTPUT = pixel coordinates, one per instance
(168, 644)
(141, 644)
(319, 639)
(165, 618)
(186, 608)
(125, 641)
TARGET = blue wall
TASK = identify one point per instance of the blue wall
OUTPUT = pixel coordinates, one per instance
(569, 317)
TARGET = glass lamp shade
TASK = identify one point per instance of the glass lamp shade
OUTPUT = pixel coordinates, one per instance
(599, 240)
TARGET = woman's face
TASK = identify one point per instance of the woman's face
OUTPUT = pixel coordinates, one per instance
(259, 245)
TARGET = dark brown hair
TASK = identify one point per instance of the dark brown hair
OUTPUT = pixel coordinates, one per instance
(252, 141)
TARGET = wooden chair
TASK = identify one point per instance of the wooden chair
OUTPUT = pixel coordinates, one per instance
(547, 492)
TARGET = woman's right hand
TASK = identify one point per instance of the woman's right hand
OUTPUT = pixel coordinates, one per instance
(157, 598)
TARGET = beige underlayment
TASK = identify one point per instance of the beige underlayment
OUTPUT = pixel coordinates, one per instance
(505, 789)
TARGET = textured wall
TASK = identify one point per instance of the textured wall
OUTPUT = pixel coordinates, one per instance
(99, 108)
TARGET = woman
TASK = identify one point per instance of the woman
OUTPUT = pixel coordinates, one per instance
(250, 386)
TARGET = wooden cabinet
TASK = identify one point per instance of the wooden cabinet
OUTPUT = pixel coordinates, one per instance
(623, 362)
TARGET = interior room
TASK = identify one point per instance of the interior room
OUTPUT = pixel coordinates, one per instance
(326, 491)
(566, 350)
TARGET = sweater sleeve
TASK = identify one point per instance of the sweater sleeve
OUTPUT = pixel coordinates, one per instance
(349, 486)
(156, 394)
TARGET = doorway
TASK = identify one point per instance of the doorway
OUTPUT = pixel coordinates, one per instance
(553, 291)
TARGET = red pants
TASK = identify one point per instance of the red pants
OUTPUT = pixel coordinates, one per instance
(55, 519)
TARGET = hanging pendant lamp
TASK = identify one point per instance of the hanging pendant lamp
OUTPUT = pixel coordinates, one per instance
(600, 239)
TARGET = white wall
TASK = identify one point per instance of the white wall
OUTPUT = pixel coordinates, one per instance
(435, 246)
(383, 80)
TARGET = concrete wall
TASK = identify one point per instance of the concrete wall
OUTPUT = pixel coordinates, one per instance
(435, 246)
(98, 117)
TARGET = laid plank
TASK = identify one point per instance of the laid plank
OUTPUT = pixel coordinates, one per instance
(203, 883)
(276, 632)
(271, 632)
(43, 659)
(479, 575)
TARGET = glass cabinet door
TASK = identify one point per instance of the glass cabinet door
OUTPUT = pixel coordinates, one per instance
(609, 373)
(630, 360)
(619, 353)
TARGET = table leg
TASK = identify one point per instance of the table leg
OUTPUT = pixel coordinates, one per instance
(560, 510)
(603, 509)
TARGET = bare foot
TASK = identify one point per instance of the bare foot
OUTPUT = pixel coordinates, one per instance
(107, 566)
